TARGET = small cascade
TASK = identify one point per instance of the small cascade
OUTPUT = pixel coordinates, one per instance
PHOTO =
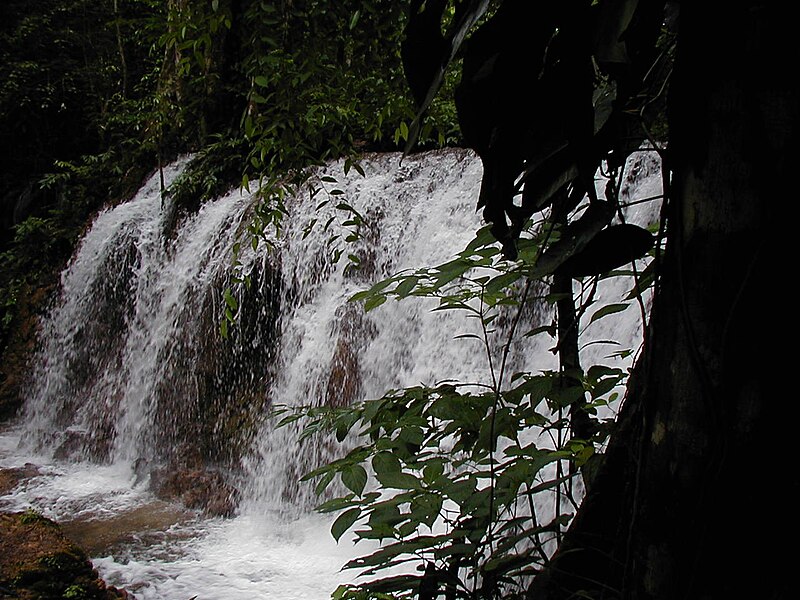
(130, 366)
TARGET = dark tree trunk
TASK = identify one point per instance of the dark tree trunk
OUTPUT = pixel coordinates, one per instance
(697, 496)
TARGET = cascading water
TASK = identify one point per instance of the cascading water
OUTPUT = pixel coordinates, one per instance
(132, 373)
(417, 212)
(130, 366)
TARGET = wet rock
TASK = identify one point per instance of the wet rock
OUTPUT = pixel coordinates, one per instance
(75, 445)
(207, 405)
(38, 562)
(10, 478)
(344, 382)
(205, 490)
(114, 535)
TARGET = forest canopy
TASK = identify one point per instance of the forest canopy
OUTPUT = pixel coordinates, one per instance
(93, 95)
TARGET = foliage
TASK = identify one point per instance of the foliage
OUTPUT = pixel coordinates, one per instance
(211, 172)
(324, 81)
(60, 76)
(75, 592)
(455, 481)
(328, 79)
(72, 125)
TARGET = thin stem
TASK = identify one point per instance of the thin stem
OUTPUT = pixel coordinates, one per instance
(636, 279)
(493, 419)
(121, 49)
(559, 475)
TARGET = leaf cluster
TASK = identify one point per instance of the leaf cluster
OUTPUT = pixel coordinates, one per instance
(446, 476)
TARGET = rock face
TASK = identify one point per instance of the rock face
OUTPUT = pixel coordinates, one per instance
(38, 562)
(344, 383)
(16, 356)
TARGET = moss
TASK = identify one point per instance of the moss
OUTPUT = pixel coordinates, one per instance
(30, 516)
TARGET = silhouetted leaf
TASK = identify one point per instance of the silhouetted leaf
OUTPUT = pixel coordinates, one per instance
(344, 521)
(608, 309)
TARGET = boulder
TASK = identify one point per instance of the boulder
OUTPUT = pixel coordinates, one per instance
(11, 477)
(37, 561)
(201, 489)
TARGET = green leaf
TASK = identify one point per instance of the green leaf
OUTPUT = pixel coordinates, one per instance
(646, 279)
(405, 287)
(354, 20)
(502, 282)
(385, 515)
(230, 300)
(389, 472)
(336, 504)
(432, 471)
(426, 508)
(583, 455)
(374, 302)
(385, 462)
(344, 521)
(450, 271)
(468, 336)
(374, 290)
(386, 553)
(482, 238)
(355, 479)
(324, 482)
(609, 309)
(567, 395)
(460, 491)
(548, 329)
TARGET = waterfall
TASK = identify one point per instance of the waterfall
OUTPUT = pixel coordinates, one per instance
(417, 211)
(129, 361)
(132, 371)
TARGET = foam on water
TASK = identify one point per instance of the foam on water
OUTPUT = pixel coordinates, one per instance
(240, 559)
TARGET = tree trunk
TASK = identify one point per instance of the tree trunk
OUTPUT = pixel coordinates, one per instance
(690, 500)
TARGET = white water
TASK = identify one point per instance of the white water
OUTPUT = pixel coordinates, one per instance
(419, 212)
(177, 554)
